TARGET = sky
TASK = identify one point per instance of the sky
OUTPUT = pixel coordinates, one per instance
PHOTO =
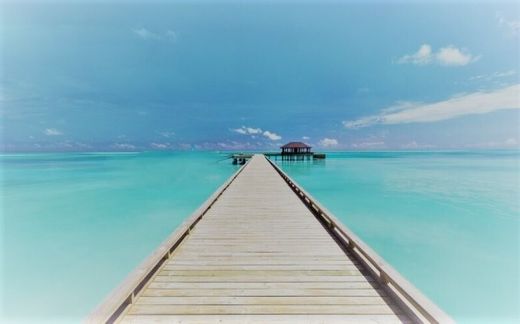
(237, 75)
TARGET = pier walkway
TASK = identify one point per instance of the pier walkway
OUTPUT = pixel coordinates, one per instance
(261, 250)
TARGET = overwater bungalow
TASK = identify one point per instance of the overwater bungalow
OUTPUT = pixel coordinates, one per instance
(296, 148)
(299, 151)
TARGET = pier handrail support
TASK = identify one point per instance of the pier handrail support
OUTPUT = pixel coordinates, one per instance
(411, 299)
(122, 296)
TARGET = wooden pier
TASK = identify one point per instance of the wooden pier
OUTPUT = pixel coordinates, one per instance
(262, 250)
(242, 158)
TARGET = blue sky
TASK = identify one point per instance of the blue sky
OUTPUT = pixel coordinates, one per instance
(373, 75)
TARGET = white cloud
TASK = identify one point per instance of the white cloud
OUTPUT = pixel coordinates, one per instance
(328, 142)
(146, 34)
(124, 146)
(508, 143)
(160, 146)
(171, 35)
(512, 25)
(234, 145)
(511, 142)
(413, 145)
(447, 56)
(504, 74)
(272, 136)
(167, 134)
(253, 130)
(256, 131)
(493, 76)
(453, 56)
(366, 145)
(306, 138)
(247, 130)
(52, 132)
(468, 104)
(422, 56)
(83, 145)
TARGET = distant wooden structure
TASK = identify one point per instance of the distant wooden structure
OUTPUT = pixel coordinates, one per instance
(263, 250)
(296, 148)
(292, 151)
(296, 151)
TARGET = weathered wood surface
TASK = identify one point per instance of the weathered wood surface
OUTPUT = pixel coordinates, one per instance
(259, 255)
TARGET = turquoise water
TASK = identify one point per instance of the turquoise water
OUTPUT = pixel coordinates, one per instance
(449, 222)
(74, 225)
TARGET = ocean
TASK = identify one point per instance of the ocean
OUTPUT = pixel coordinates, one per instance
(75, 224)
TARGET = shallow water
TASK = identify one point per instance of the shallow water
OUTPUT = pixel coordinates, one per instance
(74, 225)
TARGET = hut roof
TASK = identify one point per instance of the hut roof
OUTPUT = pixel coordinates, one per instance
(296, 145)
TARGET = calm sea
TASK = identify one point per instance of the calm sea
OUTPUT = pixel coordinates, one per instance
(74, 225)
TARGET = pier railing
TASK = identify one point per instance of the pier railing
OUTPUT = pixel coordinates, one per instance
(411, 300)
(120, 298)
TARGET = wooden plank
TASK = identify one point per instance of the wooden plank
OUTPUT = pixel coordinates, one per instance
(259, 278)
(241, 272)
(252, 262)
(262, 319)
(344, 285)
(260, 309)
(174, 266)
(254, 273)
(245, 249)
(262, 300)
(311, 257)
(260, 260)
(154, 291)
